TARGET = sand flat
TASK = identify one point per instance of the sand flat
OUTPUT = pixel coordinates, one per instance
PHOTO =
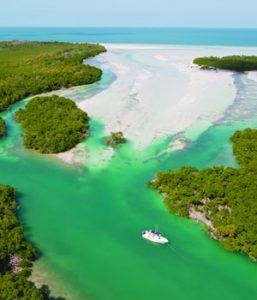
(159, 92)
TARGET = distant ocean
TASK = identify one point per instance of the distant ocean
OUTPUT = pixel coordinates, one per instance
(167, 36)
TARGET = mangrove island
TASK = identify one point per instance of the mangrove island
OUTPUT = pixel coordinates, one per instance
(233, 63)
(16, 254)
(116, 138)
(225, 199)
(52, 124)
(31, 68)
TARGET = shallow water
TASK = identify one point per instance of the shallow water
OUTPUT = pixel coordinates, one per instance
(87, 220)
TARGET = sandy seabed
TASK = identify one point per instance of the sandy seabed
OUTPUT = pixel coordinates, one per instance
(159, 92)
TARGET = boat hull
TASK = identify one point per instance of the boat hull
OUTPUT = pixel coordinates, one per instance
(155, 239)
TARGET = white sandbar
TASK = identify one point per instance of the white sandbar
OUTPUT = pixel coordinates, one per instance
(159, 92)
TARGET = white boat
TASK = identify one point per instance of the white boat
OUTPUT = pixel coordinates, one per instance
(154, 236)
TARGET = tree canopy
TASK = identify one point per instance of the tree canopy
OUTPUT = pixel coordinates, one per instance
(2, 128)
(32, 68)
(52, 124)
(14, 282)
(116, 138)
(233, 63)
(227, 197)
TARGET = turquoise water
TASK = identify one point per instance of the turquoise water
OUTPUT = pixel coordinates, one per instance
(87, 223)
(174, 36)
(87, 220)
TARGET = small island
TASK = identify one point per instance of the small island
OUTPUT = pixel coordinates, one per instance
(225, 199)
(116, 138)
(31, 68)
(2, 128)
(233, 63)
(52, 124)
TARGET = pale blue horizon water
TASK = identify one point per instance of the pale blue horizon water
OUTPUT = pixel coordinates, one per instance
(166, 36)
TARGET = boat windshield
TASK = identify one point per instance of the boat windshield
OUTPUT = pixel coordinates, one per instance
(155, 232)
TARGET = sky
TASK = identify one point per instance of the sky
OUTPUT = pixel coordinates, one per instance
(129, 13)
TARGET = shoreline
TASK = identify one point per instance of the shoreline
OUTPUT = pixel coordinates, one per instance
(126, 102)
(117, 114)
(42, 275)
(70, 157)
(132, 98)
(173, 46)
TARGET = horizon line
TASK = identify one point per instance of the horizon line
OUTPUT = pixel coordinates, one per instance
(125, 27)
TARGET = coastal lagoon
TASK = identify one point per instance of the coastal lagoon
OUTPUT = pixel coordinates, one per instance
(85, 209)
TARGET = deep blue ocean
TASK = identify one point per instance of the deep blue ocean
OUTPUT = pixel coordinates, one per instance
(168, 36)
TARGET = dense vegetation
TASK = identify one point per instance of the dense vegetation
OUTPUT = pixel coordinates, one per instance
(31, 68)
(233, 63)
(2, 128)
(16, 254)
(52, 124)
(116, 138)
(224, 198)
